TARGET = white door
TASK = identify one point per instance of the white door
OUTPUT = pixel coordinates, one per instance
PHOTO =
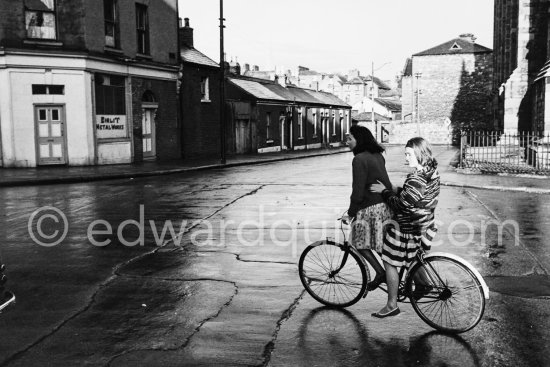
(148, 130)
(50, 134)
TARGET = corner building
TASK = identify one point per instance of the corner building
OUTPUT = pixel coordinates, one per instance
(88, 82)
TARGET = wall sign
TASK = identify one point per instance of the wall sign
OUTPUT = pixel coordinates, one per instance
(111, 126)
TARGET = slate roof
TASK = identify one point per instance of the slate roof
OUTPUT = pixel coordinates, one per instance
(389, 104)
(256, 89)
(381, 84)
(464, 47)
(269, 90)
(192, 55)
(356, 80)
(327, 98)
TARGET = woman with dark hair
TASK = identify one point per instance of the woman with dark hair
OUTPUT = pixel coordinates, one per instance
(367, 209)
(414, 226)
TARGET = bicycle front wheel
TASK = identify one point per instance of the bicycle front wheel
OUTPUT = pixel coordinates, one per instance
(318, 268)
(446, 294)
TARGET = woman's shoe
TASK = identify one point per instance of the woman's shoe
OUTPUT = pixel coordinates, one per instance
(378, 279)
(393, 312)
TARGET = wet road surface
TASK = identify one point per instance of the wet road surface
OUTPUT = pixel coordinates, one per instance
(229, 293)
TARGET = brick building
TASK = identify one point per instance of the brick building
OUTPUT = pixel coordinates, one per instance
(88, 82)
(446, 88)
(200, 99)
(522, 64)
(269, 116)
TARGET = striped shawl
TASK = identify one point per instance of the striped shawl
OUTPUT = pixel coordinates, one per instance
(415, 203)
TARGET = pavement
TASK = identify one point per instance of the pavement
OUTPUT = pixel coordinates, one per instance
(447, 158)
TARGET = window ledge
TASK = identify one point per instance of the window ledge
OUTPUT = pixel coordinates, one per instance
(42, 42)
(113, 50)
(143, 56)
(205, 101)
(269, 141)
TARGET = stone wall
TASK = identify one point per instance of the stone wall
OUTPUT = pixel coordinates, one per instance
(454, 90)
(435, 132)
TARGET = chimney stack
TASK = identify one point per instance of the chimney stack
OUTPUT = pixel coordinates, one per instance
(468, 37)
(186, 34)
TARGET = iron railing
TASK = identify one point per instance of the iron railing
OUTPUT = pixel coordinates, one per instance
(505, 152)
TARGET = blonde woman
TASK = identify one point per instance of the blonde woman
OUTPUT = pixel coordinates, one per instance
(413, 207)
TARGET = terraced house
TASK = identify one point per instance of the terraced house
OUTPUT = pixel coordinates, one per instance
(88, 82)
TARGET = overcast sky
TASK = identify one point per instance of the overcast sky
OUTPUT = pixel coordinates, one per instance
(334, 35)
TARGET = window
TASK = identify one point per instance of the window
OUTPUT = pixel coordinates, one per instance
(268, 125)
(111, 23)
(110, 95)
(333, 124)
(455, 46)
(142, 27)
(48, 89)
(205, 90)
(40, 21)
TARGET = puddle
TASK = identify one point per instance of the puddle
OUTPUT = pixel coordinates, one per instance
(531, 286)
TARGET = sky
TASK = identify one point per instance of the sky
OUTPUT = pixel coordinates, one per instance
(334, 36)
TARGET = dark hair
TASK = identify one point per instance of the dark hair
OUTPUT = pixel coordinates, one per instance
(365, 140)
(422, 151)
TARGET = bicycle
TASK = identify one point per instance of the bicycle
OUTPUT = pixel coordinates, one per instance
(446, 291)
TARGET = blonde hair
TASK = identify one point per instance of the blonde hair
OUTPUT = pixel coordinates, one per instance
(423, 151)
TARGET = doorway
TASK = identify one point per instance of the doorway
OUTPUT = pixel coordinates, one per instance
(148, 133)
(50, 134)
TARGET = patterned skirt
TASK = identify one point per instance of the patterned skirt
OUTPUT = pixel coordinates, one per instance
(367, 231)
(400, 248)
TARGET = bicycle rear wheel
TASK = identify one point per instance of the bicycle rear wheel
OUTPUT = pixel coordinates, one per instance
(317, 269)
(446, 294)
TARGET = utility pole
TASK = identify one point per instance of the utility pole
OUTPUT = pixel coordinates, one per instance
(222, 87)
(374, 122)
(417, 76)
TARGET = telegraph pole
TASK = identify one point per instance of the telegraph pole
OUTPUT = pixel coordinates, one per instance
(222, 87)
(372, 102)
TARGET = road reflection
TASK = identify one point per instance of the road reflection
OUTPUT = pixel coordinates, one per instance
(336, 337)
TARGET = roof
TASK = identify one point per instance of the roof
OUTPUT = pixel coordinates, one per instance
(455, 46)
(366, 116)
(307, 72)
(389, 104)
(381, 84)
(356, 80)
(327, 98)
(256, 89)
(385, 94)
(270, 90)
(192, 55)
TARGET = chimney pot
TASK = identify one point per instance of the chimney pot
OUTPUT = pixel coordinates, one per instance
(468, 37)
(186, 22)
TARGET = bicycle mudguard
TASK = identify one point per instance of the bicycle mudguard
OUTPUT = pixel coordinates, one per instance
(466, 264)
